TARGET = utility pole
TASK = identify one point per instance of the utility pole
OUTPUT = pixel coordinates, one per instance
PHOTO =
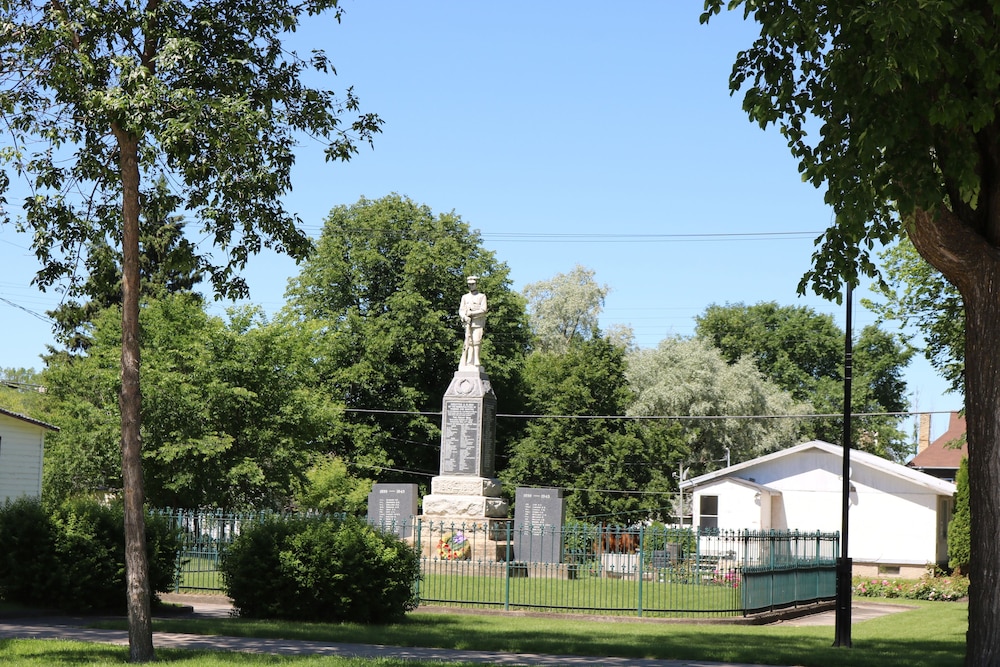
(844, 565)
(681, 475)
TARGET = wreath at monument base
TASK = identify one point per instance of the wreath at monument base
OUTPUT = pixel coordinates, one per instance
(454, 546)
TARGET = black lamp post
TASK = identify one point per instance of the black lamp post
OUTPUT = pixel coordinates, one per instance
(843, 614)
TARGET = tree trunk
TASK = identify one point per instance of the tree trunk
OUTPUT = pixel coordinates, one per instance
(140, 625)
(972, 264)
(982, 398)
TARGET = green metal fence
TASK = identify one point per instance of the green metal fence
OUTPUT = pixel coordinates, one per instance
(581, 568)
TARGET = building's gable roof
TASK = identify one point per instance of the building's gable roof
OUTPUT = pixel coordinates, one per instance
(941, 454)
(858, 458)
(25, 418)
(762, 488)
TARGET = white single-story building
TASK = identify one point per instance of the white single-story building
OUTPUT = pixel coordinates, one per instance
(22, 447)
(898, 517)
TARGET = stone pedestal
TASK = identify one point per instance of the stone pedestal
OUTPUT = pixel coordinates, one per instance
(465, 496)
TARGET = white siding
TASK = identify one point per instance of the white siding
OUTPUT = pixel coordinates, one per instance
(740, 508)
(21, 451)
(892, 519)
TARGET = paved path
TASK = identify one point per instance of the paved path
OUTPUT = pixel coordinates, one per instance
(73, 629)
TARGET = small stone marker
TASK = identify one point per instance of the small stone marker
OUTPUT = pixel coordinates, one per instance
(538, 521)
(393, 507)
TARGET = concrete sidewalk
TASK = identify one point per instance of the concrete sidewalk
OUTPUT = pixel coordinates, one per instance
(72, 628)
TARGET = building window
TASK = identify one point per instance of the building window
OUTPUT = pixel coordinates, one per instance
(708, 509)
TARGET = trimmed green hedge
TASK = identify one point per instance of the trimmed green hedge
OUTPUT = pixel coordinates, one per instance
(320, 569)
(72, 558)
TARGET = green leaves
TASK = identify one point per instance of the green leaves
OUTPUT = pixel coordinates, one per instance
(216, 99)
(802, 352)
(565, 308)
(382, 292)
(889, 106)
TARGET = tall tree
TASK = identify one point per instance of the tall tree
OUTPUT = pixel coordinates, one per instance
(891, 106)
(102, 99)
(581, 445)
(689, 378)
(382, 293)
(232, 414)
(917, 295)
(802, 352)
(168, 263)
(565, 308)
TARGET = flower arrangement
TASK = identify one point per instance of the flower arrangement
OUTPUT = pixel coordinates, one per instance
(926, 588)
(454, 546)
(730, 577)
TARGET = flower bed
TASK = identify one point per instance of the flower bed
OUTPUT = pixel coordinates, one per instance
(946, 589)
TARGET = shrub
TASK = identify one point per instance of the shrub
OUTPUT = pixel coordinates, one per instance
(320, 569)
(28, 539)
(959, 538)
(73, 557)
(926, 588)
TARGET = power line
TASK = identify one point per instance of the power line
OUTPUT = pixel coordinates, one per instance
(535, 237)
(598, 237)
(43, 318)
(665, 417)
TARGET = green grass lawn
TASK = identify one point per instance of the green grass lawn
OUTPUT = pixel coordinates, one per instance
(932, 634)
(31, 653)
(594, 594)
(201, 574)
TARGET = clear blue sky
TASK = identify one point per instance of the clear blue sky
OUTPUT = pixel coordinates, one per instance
(567, 133)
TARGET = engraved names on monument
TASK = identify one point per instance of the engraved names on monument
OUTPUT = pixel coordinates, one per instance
(393, 506)
(461, 437)
(538, 520)
(468, 426)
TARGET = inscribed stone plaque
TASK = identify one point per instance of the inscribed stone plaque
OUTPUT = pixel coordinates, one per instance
(468, 425)
(392, 507)
(461, 437)
(538, 521)
(488, 444)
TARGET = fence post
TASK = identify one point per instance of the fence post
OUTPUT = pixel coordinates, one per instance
(420, 552)
(638, 568)
(507, 564)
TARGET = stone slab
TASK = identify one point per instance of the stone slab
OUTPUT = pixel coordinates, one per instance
(467, 507)
(465, 486)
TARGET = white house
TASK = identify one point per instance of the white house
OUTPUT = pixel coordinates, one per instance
(22, 445)
(898, 517)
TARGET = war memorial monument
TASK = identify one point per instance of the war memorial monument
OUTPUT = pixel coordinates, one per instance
(465, 496)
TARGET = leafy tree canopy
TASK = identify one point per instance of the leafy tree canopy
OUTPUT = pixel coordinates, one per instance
(684, 377)
(231, 416)
(888, 106)
(169, 263)
(565, 307)
(208, 90)
(329, 486)
(802, 352)
(600, 460)
(381, 294)
(916, 294)
(21, 391)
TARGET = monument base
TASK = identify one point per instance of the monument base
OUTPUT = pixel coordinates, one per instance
(486, 539)
(461, 512)
(467, 498)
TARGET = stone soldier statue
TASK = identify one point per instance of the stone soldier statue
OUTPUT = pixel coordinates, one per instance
(473, 313)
